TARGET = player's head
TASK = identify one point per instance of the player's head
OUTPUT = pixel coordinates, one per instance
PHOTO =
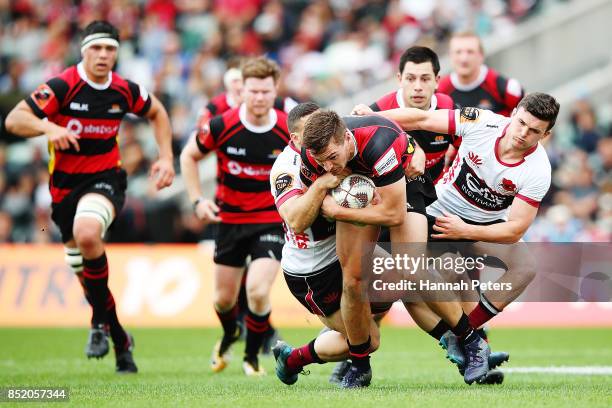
(232, 79)
(297, 118)
(532, 120)
(260, 76)
(418, 76)
(99, 48)
(328, 140)
(466, 53)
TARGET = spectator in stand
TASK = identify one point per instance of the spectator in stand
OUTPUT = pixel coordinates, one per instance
(472, 83)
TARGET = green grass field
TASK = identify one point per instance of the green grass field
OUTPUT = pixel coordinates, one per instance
(409, 370)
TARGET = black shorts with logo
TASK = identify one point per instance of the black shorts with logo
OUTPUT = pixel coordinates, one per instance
(111, 184)
(420, 192)
(321, 291)
(235, 242)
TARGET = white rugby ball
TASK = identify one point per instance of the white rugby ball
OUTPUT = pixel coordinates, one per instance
(355, 191)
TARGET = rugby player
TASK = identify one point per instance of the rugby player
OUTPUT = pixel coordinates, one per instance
(231, 98)
(310, 264)
(80, 112)
(472, 83)
(246, 139)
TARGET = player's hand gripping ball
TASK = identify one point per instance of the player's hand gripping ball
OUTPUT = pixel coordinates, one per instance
(355, 191)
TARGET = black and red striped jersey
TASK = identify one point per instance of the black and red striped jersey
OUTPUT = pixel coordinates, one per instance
(245, 155)
(433, 144)
(383, 150)
(490, 91)
(92, 111)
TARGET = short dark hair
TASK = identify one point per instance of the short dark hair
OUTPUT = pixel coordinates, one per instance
(298, 112)
(320, 128)
(542, 106)
(101, 26)
(419, 55)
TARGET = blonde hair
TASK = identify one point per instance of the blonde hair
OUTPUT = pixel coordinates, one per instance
(260, 67)
(468, 34)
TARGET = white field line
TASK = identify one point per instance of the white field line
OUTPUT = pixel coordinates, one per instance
(573, 370)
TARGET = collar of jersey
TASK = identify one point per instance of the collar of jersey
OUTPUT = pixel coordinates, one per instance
(99, 87)
(356, 151)
(399, 96)
(454, 78)
(257, 129)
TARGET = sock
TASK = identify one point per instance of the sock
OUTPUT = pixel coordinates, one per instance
(87, 297)
(438, 331)
(483, 312)
(463, 330)
(95, 274)
(228, 321)
(303, 356)
(360, 354)
(257, 326)
(243, 304)
(118, 334)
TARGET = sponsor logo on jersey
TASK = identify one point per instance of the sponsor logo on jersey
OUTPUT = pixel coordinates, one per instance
(492, 126)
(507, 187)
(282, 183)
(275, 153)
(307, 173)
(237, 169)
(83, 107)
(438, 140)
(477, 192)
(473, 157)
(42, 95)
(387, 163)
(236, 151)
(75, 126)
(115, 108)
(485, 104)
(469, 114)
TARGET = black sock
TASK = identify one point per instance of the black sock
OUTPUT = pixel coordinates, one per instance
(257, 326)
(463, 330)
(95, 274)
(228, 321)
(438, 331)
(87, 297)
(360, 354)
(118, 334)
(313, 353)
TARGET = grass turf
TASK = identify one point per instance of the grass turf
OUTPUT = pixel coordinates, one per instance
(409, 370)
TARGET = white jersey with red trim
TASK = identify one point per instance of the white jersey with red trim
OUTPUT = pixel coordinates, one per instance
(315, 248)
(479, 186)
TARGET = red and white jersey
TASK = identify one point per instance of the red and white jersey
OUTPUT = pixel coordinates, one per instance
(315, 248)
(479, 186)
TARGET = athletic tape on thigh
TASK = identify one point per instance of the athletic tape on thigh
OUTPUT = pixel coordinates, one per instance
(74, 259)
(96, 207)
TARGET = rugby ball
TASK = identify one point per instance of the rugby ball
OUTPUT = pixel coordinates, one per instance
(355, 191)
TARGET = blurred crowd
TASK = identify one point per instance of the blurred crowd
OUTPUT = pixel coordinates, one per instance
(328, 48)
